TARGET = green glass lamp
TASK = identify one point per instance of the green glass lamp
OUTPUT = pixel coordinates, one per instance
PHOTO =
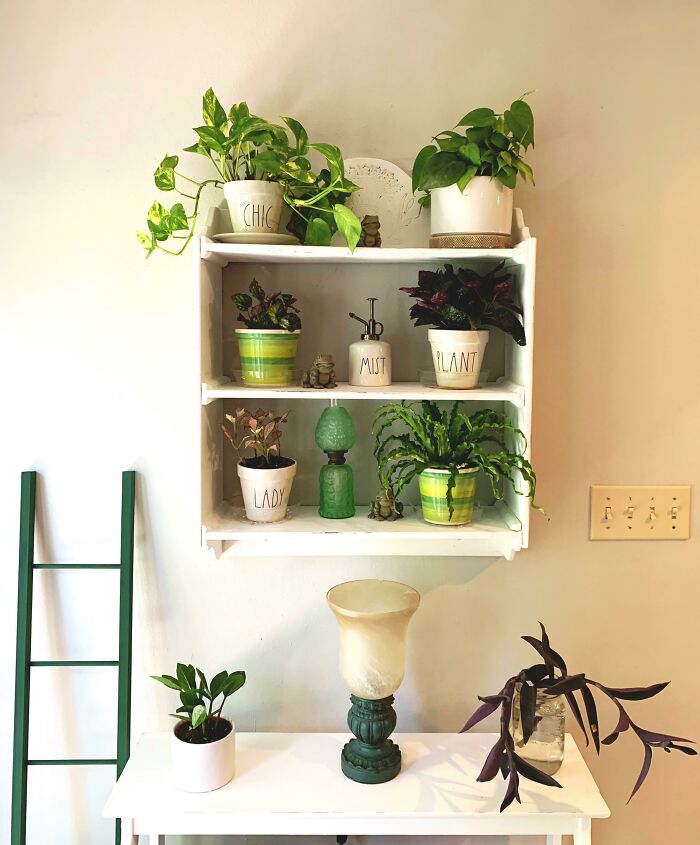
(336, 434)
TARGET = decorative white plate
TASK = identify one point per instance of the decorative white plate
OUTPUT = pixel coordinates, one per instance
(386, 192)
(255, 238)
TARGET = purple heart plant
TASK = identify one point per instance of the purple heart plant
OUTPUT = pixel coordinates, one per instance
(552, 678)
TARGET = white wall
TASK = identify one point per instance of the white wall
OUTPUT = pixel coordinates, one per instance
(97, 364)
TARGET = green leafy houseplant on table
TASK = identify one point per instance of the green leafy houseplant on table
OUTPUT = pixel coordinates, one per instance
(450, 442)
(240, 145)
(200, 709)
(488, 144)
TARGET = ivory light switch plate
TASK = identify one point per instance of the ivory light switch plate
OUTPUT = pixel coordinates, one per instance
(640, 512)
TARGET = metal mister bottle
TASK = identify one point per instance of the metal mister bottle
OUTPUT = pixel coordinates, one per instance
(370, 357)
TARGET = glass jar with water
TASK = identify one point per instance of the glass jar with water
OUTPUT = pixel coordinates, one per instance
(545, 747)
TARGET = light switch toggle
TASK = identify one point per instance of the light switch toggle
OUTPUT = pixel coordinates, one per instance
(652, 513)
(608, 514)
(674, 512)
(629, 511)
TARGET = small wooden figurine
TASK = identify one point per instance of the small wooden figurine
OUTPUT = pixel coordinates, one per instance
(385, 507)
(370, 231)
(321, 374)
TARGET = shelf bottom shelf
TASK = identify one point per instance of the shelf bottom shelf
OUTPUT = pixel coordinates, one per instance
(495, 532)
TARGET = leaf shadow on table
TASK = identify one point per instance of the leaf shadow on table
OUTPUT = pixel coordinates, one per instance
(439, 792)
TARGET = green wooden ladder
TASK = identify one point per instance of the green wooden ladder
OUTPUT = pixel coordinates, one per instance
(24, 664)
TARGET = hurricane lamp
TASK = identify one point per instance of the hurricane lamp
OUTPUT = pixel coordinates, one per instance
(373, 618)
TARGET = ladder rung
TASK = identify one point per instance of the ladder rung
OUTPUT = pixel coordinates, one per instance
(74, 663)
(76, 566)
(80, 762)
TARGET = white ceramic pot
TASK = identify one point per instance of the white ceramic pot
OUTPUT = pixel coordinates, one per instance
(485, 207)
(203, 768)
(266, 491)
(254, 205)
(457, 356)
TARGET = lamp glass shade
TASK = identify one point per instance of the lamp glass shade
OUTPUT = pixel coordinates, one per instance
(335, 430)
(373, 617)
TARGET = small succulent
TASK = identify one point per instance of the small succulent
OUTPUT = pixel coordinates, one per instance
(553, 678)
(466, 300)
(199, 707)
(260, 311)
(259, 432)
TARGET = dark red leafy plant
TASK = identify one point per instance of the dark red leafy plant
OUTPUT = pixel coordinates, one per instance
(553, 678)
(466, 300)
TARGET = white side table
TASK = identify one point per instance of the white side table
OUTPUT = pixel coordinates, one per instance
(291, 784)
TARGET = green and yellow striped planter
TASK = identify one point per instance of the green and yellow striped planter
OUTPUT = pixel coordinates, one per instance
(433, 495)
(267, 356)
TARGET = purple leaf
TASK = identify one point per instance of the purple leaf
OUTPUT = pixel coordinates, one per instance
(512, 793)
(635, 693)
(653, 738)
(535, 673)
(576, 710)
(591, 715)
(486, 709)
(644, 772)
(528, 701)
(623, 724)
(564, 685)
(672, 745)
(532, 773)
(550, 657)
(493, 762)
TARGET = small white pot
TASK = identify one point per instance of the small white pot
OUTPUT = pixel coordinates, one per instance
(254, 205)
(266, 492)
(203, 768)
(485, 207)
(457, 356)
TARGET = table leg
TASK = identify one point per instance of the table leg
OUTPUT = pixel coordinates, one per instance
(127, 833)
(554, 839)
(583, 832)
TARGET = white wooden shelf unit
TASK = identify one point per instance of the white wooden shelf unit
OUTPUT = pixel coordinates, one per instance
(500, 530)
(291, 784)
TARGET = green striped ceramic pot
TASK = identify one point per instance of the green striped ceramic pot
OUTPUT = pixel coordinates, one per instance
(267, 356)
(433, 495)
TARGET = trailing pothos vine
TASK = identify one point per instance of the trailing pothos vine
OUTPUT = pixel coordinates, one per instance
(552, 677)
(240, 145)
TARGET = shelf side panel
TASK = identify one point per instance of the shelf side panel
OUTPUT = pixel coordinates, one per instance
(207, 306)
(519, 367)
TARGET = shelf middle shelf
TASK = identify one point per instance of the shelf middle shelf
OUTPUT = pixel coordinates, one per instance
(501, 391)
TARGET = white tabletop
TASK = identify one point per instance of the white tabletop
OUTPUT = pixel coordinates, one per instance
(292, 784)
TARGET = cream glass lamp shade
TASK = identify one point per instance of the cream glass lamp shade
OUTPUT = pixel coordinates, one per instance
(373, 616)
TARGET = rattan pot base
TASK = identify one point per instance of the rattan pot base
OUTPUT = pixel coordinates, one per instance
(470, 241)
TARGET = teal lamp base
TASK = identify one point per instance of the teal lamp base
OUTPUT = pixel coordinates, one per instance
(372, 757)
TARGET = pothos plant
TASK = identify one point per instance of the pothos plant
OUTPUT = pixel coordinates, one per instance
(201, 701)
(260, 433)
(241, 145)
(259, 310)
(553, 678)
(449, 440)
(488, 143)
(466, 300)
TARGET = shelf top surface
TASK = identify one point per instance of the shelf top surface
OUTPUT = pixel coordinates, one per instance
(505, 391)
(230, 523)
(258, 253)
(295, 780)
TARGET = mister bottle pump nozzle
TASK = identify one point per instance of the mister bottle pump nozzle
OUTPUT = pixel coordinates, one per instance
(373, 328)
